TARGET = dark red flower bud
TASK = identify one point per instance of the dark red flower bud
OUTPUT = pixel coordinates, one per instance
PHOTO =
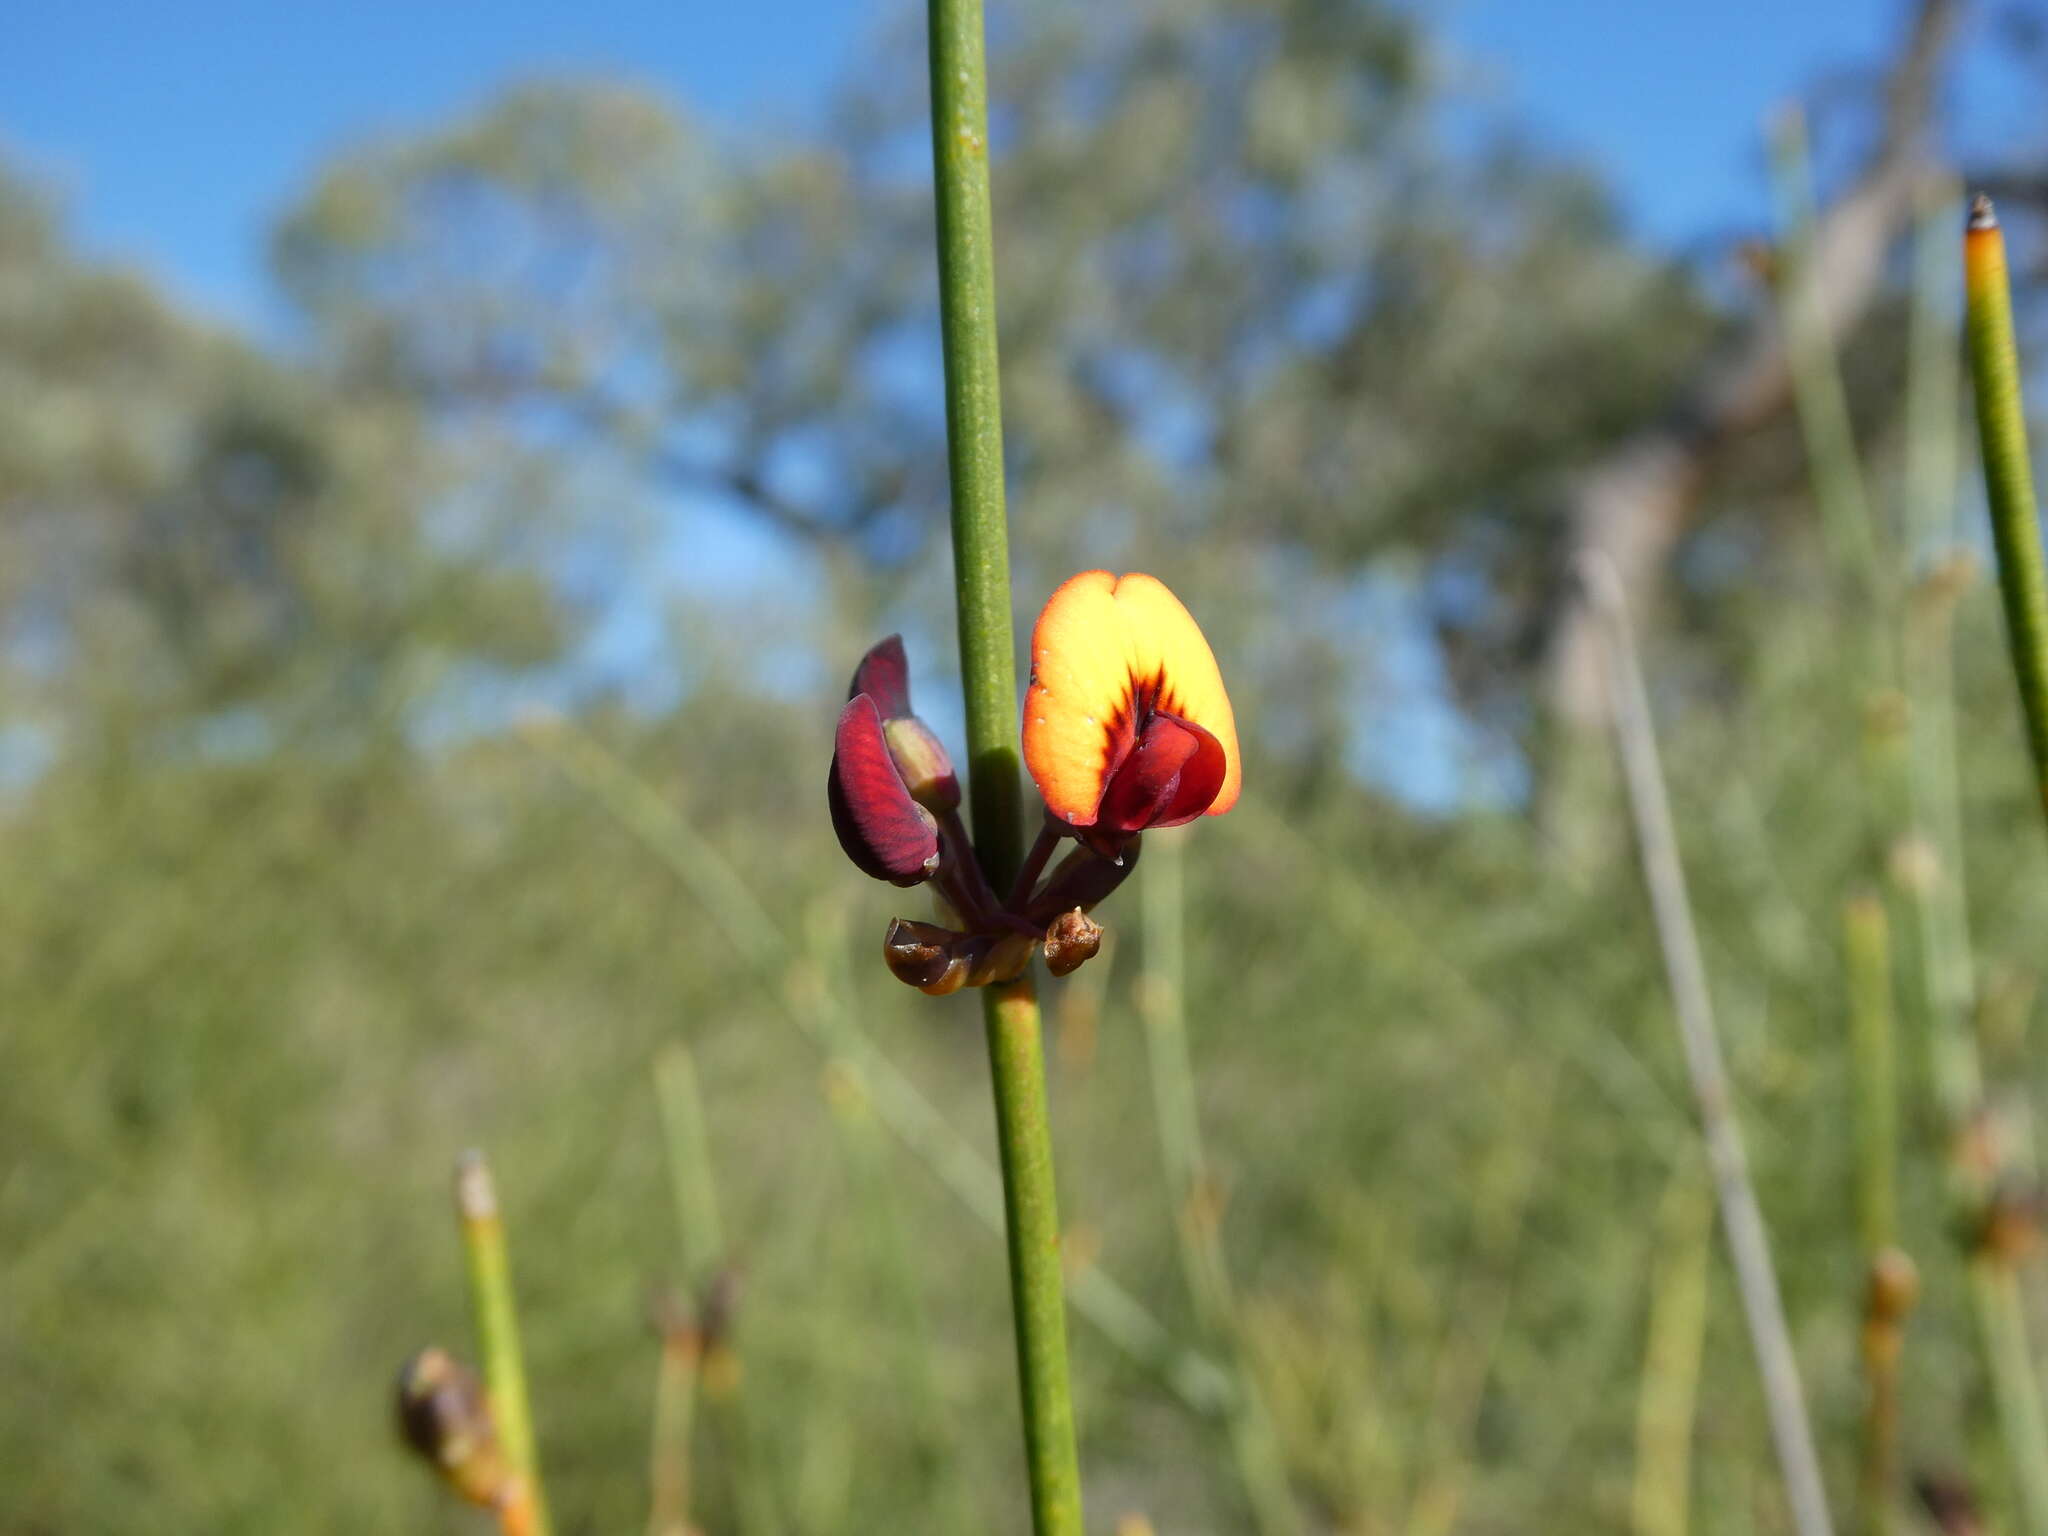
(921, 759)
(884, 676)
(883, 830)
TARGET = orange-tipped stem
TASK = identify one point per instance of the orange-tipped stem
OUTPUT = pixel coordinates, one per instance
(2008, 473)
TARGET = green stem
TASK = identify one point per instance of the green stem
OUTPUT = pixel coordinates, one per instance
(675, 1401)
(974, 432)
(981, 576)
(1024, 1134)
(1867, 943)
(689, 1164)
(1667, 1401)
(688, 1143)
(497, 1325)
(1946, 967)
(1995, 1289)
(2008, 476)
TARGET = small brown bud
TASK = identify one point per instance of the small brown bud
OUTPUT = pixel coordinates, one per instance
(2011, 1224)
(1894, 1286)
(1001, 959)
(1071, 941)
(715, 1308)
(1949, 1503)
(444, 1415)
(938, 960)
(675, 1324)
(1759, 260)
(922, 955)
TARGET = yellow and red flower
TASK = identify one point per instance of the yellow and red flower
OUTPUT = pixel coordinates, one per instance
(1126, 726)
(1126, 721)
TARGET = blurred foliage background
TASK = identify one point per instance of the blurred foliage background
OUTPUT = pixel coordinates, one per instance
(301, 900)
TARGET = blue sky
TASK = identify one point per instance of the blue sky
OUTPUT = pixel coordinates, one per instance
(175, 133)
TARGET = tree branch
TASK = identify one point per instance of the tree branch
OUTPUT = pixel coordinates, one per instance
(1632, 507)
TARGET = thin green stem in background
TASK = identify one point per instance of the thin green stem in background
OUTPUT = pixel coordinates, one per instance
(497, 1326)
(2000, 1313)
(705, 1257)
(1890, 1285)
(1867, 945)
(2008, 474)
(669, 1441)
(981, 579)
(689, 1163)
(1667, 1402)
(1190, 1186)
(1741, 1218)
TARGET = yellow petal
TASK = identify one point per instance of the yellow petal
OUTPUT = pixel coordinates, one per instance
(1103, 648)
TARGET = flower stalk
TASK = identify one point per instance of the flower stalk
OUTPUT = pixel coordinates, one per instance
(981, 571)
(497, 1331)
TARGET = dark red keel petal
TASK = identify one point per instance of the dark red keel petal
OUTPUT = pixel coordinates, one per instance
(884, 676)
(885, 832)
(1173, 774)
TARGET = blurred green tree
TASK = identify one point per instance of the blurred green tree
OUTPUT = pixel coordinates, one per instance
(196, 533)
(1264, 311)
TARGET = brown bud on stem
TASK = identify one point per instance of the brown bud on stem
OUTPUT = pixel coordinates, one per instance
(1071, 940)
(1950, 1504)
(444, 1415)
(939, 960)
(922, 955)
(2011, 1224)
(1894, 1286)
